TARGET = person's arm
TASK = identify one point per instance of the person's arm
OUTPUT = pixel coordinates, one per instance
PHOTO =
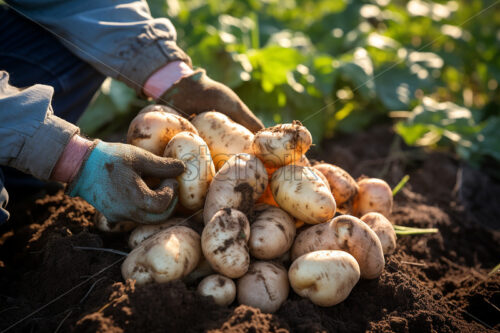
(118, 37)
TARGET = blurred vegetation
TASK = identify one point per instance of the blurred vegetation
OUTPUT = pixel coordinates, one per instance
(339, 66)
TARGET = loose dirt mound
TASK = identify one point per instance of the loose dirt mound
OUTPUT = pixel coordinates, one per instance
(432, 283)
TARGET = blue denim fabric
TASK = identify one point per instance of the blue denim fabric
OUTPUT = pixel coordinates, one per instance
(31, 55)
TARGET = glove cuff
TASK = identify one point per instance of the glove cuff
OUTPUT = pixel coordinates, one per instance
(72, 187)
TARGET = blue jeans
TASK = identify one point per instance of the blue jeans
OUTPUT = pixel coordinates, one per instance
(32, 55)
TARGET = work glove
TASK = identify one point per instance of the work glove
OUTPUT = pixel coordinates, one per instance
(110, 180)
(198, 93)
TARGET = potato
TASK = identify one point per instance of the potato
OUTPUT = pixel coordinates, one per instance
(238, 184)
(224, 137)
(224, 242)
(346, 233)
(160, 108)
(271, 233)
(325, 277)
(168, 255)
(222, 289)
(264, 286)
(344, 188)
(193, 183)
(384, 230)
(281, 144)
(102, 223)
(374, 195)
(153, 130)
(203, 269)
(302, 194)
(144, 231)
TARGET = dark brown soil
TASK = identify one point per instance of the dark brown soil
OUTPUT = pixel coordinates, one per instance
(432, 283)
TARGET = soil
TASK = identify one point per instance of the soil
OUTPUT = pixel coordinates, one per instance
(435, 282)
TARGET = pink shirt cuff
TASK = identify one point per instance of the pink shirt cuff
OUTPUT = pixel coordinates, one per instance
(165, 77)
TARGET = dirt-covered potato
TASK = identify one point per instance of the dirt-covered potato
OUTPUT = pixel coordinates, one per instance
(224, 137)
(161, 108)
(238, 184)
(224, 242)
(325, 277)
(144, 231)
(264, 286)
(374, 195)
(281, 144)
(346, 233)
(344, 188)
(193, 183)
(301, 193)
(102, 223)
(271, 233)
(168, 255)
(153, 130)
(384, 230)
(222, 289)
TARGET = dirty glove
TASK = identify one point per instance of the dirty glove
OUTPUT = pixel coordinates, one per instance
(197, 93)
(110, 180)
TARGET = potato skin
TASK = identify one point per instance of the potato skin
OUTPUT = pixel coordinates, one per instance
(168, 255)
(103, 224)
(271, 233)
(264, 286)
(238, 184)
(346, 233)
(193, 183)
(301, 193)
(223, 136)
(344, 188)
(325, 277)
(374, 195)
(282, 144)
(224, 242)
(153, 130)
(222, 289)
(144, 231)
(160, 108)
(384, 230)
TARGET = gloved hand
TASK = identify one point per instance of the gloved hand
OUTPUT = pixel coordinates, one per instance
(198, 93)
(110, 180)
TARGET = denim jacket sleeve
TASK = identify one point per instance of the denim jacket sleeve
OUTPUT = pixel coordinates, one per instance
(31, 137)
(118, 37)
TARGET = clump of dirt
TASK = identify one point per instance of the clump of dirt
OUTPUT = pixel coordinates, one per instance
(435, 282)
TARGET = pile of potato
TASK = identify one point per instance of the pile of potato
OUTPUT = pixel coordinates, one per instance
(261, 218)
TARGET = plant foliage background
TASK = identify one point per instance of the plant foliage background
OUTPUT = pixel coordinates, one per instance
(339, 66)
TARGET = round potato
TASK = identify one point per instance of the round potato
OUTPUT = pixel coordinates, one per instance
(168, 255)
(193, 183)
(224, 137)
(160, 108)
(271, 233)
(264, 286)
(346, 233)
(238, 184)
(144, 231)
(344, 188)
(153, 130)
(222, 289)
(374, 195)
(324, 277)
(384, 230)
(301, 193)
(224, 242)
(282, 144)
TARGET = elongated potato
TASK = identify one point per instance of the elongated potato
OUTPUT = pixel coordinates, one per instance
(374, 195)
(325, 277)
(264, 286)
(153, 130)
(344, 187)
(271, 233)
(222, 289)
(168, 255)
(224, 242)
(281, 144)
(301, 193)
(144, 231)
(346, 233)
(193, 183)
(224, 137)
(384, 230)
(238, 184)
